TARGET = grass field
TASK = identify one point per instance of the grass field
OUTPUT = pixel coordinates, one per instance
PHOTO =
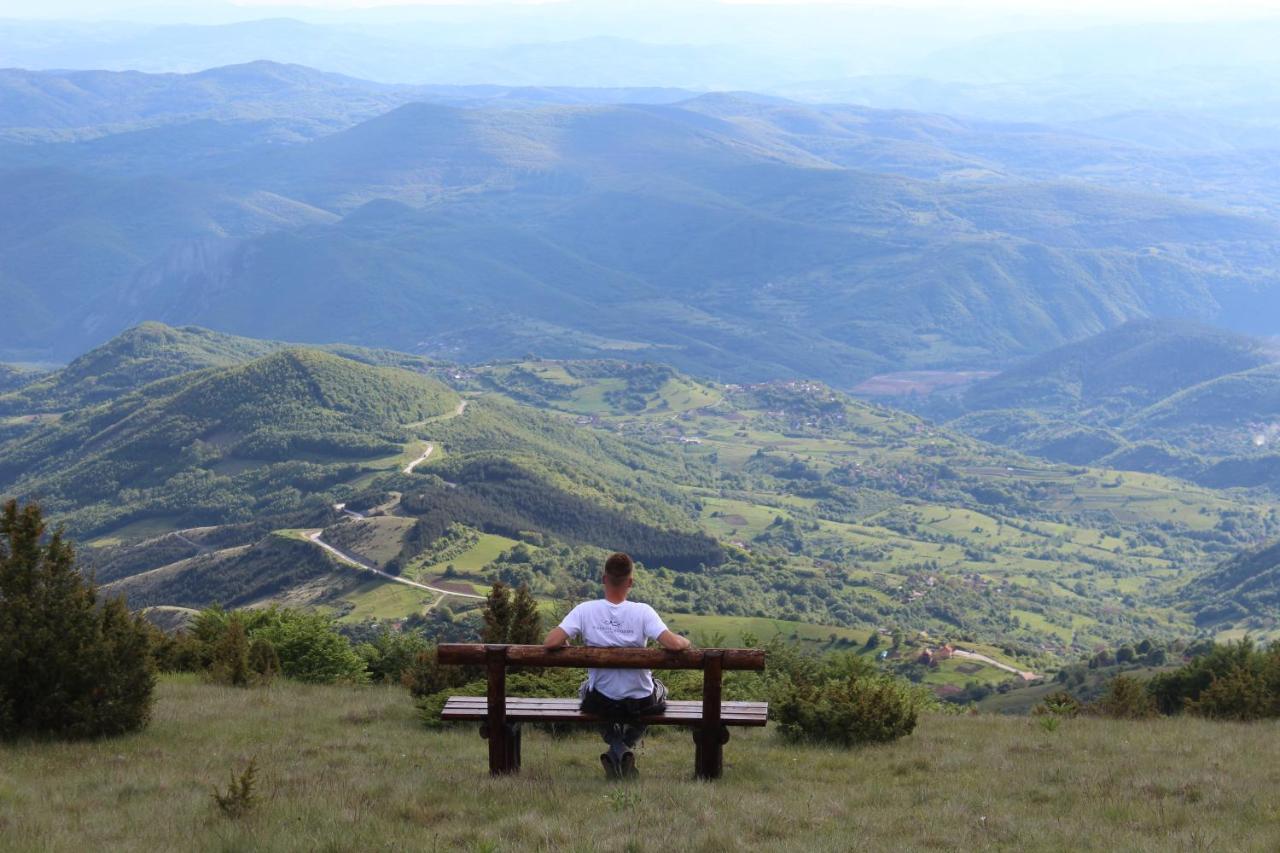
(351, 769)
(385, 600)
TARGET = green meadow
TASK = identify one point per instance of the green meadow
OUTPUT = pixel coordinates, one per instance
(352, 769)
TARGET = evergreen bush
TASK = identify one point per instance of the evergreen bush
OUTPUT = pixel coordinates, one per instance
(230, 664)
(70, 666)
(848, 711)
(1126, 698)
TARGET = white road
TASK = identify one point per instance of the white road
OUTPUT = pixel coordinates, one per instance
(1026, 676)
(352, 560)
(408, 469)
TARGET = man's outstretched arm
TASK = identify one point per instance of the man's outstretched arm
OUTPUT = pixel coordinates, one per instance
(670, 641)
(556, 638)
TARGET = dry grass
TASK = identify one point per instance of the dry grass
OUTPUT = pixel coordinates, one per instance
(350, 769)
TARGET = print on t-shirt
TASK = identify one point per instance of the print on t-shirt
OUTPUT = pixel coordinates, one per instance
(604, 624)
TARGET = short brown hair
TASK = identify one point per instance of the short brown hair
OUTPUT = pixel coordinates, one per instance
(618, 568)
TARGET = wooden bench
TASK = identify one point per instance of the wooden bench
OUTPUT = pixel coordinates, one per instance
(501, 716)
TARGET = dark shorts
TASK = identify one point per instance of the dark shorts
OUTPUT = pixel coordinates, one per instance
(623, 710)
(620, 714)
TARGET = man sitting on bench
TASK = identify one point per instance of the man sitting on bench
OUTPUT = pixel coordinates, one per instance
(618, 695)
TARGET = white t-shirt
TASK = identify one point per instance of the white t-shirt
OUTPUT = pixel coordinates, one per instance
(604, 624)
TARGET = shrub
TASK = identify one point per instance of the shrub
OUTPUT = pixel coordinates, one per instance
(846, 711)
(309, 648)
(1241, 694)
(426, 676)
(1126, 698)
(1060, 703)
(264, 660)
(241, 794)
(294, 643)
(392, 654)
(1235, 681)
(68, 666)
(230, 664)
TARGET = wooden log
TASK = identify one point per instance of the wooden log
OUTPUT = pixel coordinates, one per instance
(475, 654)
(709, 758)
(496, 720)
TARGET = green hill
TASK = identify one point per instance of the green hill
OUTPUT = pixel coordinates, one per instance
(135, 358)
(153, 351)
(781, 501)
(218, 443)
(1243, 592)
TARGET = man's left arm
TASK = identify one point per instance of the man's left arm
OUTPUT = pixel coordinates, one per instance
(656, 629)
(672, 641)
(570, 626)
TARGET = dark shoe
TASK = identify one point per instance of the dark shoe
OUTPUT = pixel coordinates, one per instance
(612, 769)
(627, 767)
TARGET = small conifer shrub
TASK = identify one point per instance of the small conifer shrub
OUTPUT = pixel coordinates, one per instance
(241, 794)
(1126, 698)
(70, 665)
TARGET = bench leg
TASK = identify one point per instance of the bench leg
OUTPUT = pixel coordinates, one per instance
(708, 752)
(513, 747)
(504, 756)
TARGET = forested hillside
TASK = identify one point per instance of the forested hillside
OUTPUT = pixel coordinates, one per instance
(745, 503)
(1175, 398)
(218, 444)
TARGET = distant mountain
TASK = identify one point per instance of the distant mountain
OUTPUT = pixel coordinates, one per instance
(80, 103)
(734, 236)
(406, 55)
(1178, 398)
(1134, 366)
(270, 102)
(69, 237)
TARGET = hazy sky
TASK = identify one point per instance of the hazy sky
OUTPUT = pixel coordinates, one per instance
(170, 9)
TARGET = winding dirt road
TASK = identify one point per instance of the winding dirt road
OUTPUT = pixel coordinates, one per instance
(353, 560)
(408, 469)
(1024, 675)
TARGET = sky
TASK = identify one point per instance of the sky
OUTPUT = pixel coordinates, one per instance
(1128, 9)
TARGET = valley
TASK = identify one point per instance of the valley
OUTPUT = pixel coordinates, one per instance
(777, 507)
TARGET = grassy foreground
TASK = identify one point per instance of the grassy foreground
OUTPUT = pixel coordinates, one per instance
(351, 769)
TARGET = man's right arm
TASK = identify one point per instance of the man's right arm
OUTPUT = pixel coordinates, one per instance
(673, 642)
(556, 638)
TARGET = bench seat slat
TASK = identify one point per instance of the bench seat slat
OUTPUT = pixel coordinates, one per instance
(673, 706)
(678, 712)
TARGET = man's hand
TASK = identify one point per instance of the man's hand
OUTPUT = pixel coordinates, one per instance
(671, 642)
(555, 639)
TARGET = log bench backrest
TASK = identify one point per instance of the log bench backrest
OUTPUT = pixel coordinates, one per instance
(477, 654)
(497, 657)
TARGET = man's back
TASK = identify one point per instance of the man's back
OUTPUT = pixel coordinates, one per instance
(621, 696)
(606, 624)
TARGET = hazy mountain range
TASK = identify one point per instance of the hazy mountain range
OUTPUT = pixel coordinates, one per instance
(730, 235)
